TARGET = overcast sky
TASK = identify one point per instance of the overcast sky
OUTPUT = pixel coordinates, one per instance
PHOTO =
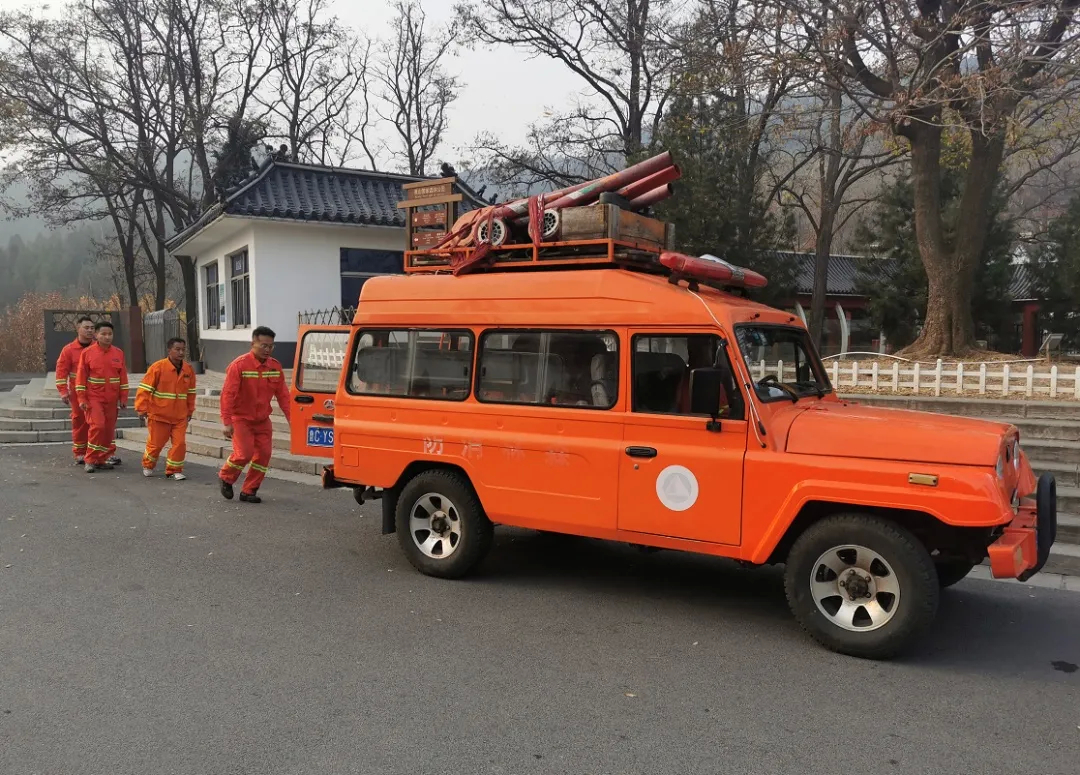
(503, 91)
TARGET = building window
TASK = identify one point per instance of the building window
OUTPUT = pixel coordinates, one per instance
(358, 265)
(549, 368)
(241, 290)
(213, 296)
(413, 363)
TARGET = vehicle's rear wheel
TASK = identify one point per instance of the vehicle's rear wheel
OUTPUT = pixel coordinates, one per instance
(441, 525)
(861, 585)
(950, 572)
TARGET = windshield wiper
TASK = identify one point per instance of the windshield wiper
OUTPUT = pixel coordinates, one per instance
(811, 385)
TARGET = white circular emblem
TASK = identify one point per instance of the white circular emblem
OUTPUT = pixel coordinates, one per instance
(677, 488)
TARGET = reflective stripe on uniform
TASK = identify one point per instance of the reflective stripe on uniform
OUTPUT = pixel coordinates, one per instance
(233, 465)
(174, 463)
(259, 468)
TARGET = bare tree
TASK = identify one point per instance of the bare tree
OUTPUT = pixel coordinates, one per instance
(316, 95)
(415, 89)
(942, 71)
(622, 52)
(127, 101)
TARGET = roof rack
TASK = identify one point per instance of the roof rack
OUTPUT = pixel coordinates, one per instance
(589, 236)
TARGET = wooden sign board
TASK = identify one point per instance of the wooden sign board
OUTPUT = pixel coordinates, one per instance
(429, 217)
(421, 240)
(429, 189)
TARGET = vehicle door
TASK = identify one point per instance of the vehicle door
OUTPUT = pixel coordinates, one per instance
(677, 477)
(320, 355)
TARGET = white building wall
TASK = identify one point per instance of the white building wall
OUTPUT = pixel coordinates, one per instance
(297, 268)
(219, 253)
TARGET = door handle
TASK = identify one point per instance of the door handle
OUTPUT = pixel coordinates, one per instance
(304, 399)
(322, 417)
(641, 451)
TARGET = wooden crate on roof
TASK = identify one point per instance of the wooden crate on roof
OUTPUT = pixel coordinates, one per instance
(608, 221)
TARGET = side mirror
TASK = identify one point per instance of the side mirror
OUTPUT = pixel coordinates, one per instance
(706, 387)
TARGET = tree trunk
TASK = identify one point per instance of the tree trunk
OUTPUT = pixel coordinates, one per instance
(191, 303)
(944, 311)
(160, 274)
(949, 329)
(129, 276)
(822, 252)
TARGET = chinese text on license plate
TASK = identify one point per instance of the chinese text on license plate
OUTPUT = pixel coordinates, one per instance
(320, 437)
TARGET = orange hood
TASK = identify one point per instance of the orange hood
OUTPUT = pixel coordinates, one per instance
(848, 430)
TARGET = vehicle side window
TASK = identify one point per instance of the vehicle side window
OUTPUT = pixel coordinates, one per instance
(413, 363)
(322, 354)
(549, 368)
(661, 367)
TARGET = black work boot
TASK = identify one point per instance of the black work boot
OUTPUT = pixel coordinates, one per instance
(226, 490)
(250, 498)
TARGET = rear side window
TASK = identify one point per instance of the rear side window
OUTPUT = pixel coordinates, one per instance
(549, 368)
(322, 354)
(413, 363)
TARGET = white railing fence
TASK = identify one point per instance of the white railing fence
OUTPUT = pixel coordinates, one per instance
(1061, 382)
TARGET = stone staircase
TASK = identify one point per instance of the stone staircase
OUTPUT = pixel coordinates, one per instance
(207, 438)
(29, 414)
(1049, 435)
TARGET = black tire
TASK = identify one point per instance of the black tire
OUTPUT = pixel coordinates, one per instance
(475, 531)
(950, 572)
(358, 495)
(916, 604)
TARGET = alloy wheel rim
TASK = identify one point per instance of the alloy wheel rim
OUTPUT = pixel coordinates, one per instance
(435, 525)
(855, 588)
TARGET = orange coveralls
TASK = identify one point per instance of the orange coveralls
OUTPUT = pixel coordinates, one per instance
(167, 395)
(101, 384)
(245, 405)
(67, 366)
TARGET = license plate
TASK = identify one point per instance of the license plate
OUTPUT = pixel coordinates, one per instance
(318, 436)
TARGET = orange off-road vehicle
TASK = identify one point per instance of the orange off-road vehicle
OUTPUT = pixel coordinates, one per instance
(645, 407)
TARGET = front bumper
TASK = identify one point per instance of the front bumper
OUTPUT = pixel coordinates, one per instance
(1024, 546)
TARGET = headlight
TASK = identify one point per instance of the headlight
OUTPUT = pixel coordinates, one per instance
(1000, 468)
(1016, 454)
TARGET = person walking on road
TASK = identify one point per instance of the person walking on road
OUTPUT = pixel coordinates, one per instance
(250, 382)
(102, 388)
(166, 400)
(67, 367)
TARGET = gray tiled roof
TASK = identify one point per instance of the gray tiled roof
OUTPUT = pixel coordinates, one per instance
(304, 192)
(844, 271)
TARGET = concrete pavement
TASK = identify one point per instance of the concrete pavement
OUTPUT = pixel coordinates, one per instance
(148, 626)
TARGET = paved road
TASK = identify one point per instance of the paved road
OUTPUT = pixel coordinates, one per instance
(149, 627)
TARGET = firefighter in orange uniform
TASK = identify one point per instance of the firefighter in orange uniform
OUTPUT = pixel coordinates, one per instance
(67, 366)
(166, 400)
(250, 382)
(102, 388)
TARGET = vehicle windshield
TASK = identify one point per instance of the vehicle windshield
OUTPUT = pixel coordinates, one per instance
(781, 362)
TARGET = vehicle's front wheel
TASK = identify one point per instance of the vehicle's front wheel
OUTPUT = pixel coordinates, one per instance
(441, 525)
(861, 585)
